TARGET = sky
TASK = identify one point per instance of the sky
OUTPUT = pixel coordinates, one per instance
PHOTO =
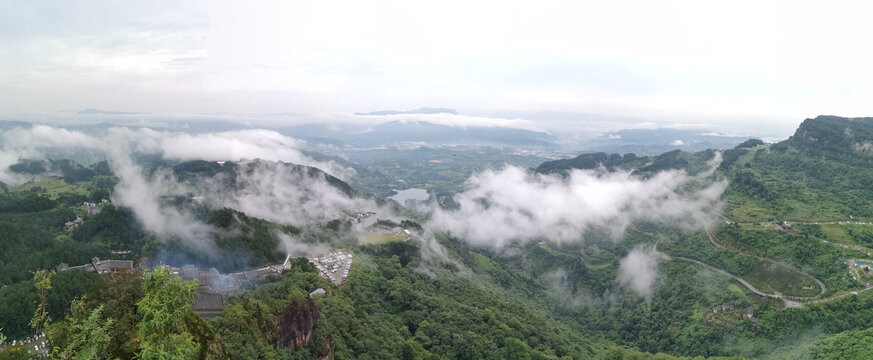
(739, 66)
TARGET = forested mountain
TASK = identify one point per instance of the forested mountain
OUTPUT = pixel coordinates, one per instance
(673, 160)
(745, 285)
(473, 306)
(823, 172)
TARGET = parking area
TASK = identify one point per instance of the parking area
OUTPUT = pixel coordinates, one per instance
(334, 266)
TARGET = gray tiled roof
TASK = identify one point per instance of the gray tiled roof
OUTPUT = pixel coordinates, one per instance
(203, 301)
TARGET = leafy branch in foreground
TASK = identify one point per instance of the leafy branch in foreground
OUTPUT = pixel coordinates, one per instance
(43, 283)
(163, 308)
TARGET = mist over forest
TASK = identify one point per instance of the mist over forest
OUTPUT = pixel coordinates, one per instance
(455, 180)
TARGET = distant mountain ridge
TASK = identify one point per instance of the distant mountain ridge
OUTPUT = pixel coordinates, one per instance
(91, 111)
(417, 132)
(660, 140)
(424, 110)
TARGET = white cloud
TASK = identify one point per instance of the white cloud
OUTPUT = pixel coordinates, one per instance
(272, 191)
(223, 146)
(639, 270)
(283, 194)
(677, 142)
(865, 147)
(143, 195)
(512, 206)
(593, 57)
(28, 143)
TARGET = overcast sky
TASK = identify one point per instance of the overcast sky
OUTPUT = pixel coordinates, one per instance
(736, 64)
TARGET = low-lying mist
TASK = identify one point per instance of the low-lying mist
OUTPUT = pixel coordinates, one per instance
(514, 206)
(498, 210)
(266, 188)
(502, 209)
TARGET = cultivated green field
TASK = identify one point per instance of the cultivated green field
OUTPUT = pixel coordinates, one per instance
(378, 238)
(53, 186)
(770, 277)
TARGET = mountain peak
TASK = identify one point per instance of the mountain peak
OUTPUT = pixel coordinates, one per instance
(833, 136)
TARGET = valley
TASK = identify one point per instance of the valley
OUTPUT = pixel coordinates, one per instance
(740, 282)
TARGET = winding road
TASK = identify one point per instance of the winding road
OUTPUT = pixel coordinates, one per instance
(790, 301)
(821, 285)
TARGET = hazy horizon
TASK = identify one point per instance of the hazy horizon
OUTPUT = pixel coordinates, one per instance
(745, 68)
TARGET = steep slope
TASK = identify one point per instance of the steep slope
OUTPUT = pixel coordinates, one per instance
(849, 140)
(824, 172)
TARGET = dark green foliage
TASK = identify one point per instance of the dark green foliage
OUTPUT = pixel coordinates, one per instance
(810, 230)
(197, 166)
(115, 227)
(391, 311)
(17, 301)
(17, 304)
(250, 326)
(82, 336)
(672, 160)
(118, 295)
(834, 137)
(856, 344)
(730, 157)
(640, 165)
(335, 224)
(822, 172)
(592, 161)
(749, 144)
(28, 242)
(73, 200)
(409, 224)
(387, 223)
(71, 172)
(24, 203)
(240, 242)
(861, 235)
(697, 246)
(537, 301)
(824, 261)
(102, 168)
(30, 167)
(746, 183)
(165, 303)
(246, 241)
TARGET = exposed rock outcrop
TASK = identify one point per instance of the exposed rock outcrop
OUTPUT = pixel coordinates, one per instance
(296, 324)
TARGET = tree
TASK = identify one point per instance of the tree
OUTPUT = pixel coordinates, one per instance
(118, 295)
(43, 283)
(90, 338)
(163, 308)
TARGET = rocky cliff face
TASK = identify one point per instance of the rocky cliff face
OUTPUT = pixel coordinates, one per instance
(296, 324)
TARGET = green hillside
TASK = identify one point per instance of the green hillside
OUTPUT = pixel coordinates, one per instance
(468, 305)
(822, 173)
(746, 287)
